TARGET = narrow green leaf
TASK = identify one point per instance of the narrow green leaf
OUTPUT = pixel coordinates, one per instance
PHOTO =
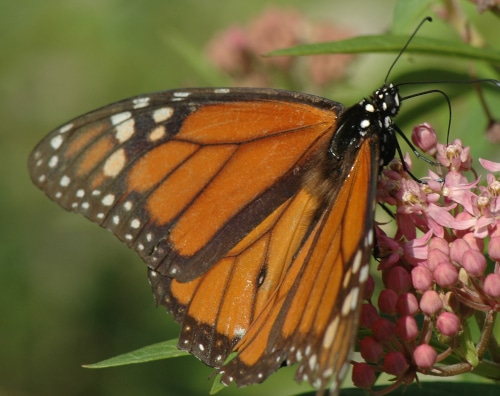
(391, 43)
(407, 14)
(467, 348)
(217, 386)
(162, 350)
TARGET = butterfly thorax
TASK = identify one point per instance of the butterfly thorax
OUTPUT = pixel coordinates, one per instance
(369, 119)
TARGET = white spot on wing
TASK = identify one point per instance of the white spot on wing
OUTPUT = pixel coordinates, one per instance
(346, 304)
(347, 279)
(125, 130)
(115, 163)
(363, 275)
(139, 103)
(135, 223)
(182, 94)
(120, 117)
(65, 128)
(108, 200)
(56, 141)
(330, 332)
(369, 239)
(65, 180)
(162, 114)
(53, 161)
(221, 90)
(312, 362)
(157, 133)
(355, 296)
(356, 263)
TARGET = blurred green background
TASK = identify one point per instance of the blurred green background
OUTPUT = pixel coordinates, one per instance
(70, 293)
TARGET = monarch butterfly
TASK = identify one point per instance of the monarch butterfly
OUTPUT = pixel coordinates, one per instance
(252, 208)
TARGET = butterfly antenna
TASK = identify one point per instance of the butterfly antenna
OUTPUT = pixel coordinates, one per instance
(426, 19)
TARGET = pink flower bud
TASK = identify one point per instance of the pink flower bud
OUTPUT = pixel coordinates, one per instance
(425, 356)
(383, 330)
(369, 288)
(440, 244)
(474, 262)
(387, 301)
(407, 328)
(494, 248)
(448, 324)
(371, 350)
(421, 278)
(395, 363)
(369, 315)
(424, 137)
(446, 275)
(473, 242)
(493, 132)
(363, 375)
(431, 303)
(492, 285)
(458, 249)
(407, 304)
(397, 279)
(437, 257)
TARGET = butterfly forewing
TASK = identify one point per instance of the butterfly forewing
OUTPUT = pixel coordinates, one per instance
(182, 176)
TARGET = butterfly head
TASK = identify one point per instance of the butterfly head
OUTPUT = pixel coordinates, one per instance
(386, 100)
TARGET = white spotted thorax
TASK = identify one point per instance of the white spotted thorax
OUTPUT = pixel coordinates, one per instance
(369, 117)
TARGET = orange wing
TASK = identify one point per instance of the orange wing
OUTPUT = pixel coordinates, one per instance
(290, 291)
(250, 234)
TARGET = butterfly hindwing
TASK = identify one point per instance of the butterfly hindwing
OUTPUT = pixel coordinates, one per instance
(313, 316)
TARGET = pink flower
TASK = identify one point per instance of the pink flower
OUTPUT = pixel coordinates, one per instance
(424, 137)
(454, 156)
(434, 264)
(395, 363)
(363, 375)
(425, 356)
(489, 165)
(448, 324)
(431, 303)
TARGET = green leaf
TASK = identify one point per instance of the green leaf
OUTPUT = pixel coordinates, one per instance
(162, 350)
(217, 386)
(391, 43)
(467, 348)
(407, 13)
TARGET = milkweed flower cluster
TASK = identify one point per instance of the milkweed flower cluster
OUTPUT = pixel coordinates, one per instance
(238, 50)
(440, 269)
